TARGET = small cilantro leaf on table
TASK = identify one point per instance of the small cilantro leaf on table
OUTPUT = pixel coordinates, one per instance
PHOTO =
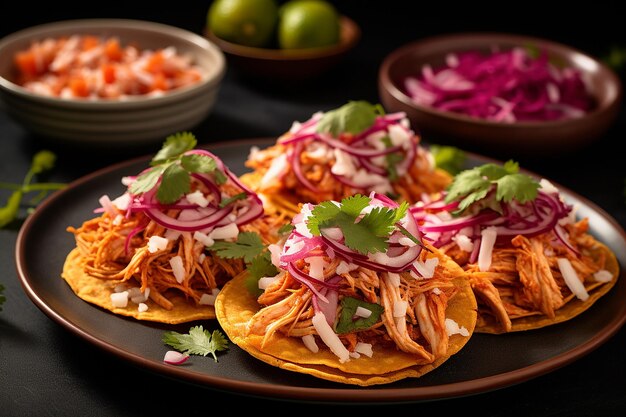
(197, 342)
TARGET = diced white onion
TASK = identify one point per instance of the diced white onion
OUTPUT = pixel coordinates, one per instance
(329, 337)
(603, 276)
(343, 164)
(436, 291)
(364, 349)
(118, 220)
(487, 242)
(274, 254)
(203, 238)
(452, 327)
(316, 267)
(119, 299)
(362, 312)
(464, 242)
(156, 243)
(230, 231)
(265, 282)
(176, 262)
(197, 197)
(171, 234)
(571, 279)
(333, 233)
(207, 299)
(276, 170)
(107, 205)
(345, 267)
(309, 342)
(122, 201)
(142, 307)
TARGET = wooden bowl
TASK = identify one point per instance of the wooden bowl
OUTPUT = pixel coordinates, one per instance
(479, 134)
(288, 65)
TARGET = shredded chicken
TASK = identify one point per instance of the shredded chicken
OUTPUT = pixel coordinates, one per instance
(288, 308)
(524, 278)
(119, 251)
(286, 191)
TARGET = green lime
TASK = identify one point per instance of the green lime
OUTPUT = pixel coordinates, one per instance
(307, 24)
(245, 22)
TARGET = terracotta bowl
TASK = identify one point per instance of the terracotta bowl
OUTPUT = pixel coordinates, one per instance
(517, 137)
(288, 65)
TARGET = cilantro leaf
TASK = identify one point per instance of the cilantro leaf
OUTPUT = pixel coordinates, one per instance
(448, 158)
(285, 229)
(347, 323)
(261, 266)
(198, 163)
(171, 170)
(321, 213)
(247, 246)
(175, 183)
(198, 342)
(240, 196)
(2, 297)
(353, 117)
(174, 146)
(516, 186)
(364, 234)
(147, 180)
(475, 186)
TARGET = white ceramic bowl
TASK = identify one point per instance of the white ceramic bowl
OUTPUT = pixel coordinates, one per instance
(132, 120)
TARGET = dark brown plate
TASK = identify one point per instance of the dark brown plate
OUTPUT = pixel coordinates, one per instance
(487, 362)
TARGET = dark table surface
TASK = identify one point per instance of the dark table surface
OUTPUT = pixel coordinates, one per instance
(47, 370)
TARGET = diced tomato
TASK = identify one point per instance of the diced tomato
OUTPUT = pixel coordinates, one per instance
(108, 73)
(112, 49)
(90, 42)
(79, 87)
(27, 63)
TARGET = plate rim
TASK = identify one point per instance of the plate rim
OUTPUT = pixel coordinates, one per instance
(378, 393)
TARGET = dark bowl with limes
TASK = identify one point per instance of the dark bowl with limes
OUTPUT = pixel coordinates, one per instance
(288, 65)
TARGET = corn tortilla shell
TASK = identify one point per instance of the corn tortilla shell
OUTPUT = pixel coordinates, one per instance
(571, 309)
(235, 305)
(98, 292)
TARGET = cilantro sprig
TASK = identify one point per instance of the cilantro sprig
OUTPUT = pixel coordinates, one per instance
(42, 161)
(448, 158)
(348, 324)
(367, 235)
(197, 342)
(171, 169)
(254, 253)
(353, 117)
(489, 184)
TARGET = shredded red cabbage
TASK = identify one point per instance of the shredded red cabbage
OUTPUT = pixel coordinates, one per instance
(502, 86)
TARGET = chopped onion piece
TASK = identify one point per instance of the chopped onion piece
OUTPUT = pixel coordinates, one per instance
(119, 299)
(265, 282)
(173, 357)
(157, 243)
(197, 197)
(142, 307)
(452, 327)
(362, 312)
(603, 276)
(230, 231)
(203, 238)
(309, 342)
(487, 242)
(364, 349)
(316, 266)
(464, 242)
(329, 337)
(207, 299)
(571, 279)
(176, 262)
